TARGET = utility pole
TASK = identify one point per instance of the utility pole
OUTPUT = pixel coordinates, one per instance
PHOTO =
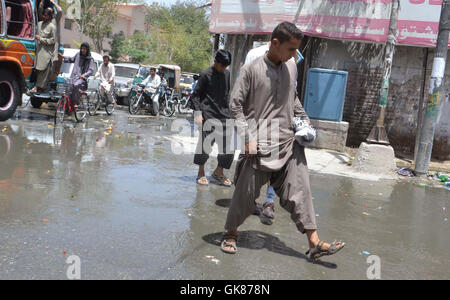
(378, 134)
(425, 147)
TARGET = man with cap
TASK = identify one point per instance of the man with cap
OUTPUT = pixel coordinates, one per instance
(210, 100)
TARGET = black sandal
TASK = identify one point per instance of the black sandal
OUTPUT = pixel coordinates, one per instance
(317, 251)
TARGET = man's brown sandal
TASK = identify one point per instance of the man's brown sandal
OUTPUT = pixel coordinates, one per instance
(317, 251)
(229, 240)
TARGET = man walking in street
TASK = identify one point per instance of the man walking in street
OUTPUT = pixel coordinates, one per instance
(266, 92)
(106, 72)
(210, 99)
(269, 202)
(46, 39)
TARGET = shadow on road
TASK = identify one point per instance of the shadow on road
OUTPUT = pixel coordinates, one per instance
(257, 240)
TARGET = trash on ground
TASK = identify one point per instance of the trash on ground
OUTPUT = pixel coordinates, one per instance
(443, 177)
(366, 214)
(366, 253)
(405, 172)
(215, 260)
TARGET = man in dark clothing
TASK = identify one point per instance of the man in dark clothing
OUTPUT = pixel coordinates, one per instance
(210, 101)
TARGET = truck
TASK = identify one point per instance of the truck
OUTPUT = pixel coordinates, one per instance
(18, 29)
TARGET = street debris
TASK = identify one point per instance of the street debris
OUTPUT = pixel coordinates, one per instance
(405, 172)
(366, 253)
(366, 214)
(213, 259)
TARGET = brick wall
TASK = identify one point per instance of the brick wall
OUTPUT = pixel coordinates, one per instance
(363, 62)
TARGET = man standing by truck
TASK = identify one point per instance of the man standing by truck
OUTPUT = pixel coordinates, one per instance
(45, 41)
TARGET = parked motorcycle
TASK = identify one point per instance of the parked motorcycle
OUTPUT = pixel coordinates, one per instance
(184, 105)
(142, 98)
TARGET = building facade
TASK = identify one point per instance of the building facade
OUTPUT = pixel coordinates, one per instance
(131, 18)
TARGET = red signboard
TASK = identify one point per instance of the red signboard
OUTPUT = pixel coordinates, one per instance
(363, 20)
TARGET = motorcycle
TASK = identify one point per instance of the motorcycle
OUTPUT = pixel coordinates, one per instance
(167, 101)
(184, 105)
(142, 98)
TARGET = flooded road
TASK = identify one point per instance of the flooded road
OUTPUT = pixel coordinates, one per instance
(112, 192)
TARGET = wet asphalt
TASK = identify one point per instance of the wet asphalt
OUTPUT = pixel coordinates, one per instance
(111, 191)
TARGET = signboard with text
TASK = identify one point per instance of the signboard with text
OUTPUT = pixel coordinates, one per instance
(363, 20)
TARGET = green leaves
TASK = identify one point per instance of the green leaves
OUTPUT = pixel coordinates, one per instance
(178, 35)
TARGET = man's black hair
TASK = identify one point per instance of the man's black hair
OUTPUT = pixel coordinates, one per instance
(48, 11)
(285, 31)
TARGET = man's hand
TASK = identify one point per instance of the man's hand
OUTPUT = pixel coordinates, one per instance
(83, 77)
(110, 82)
(38, 37)
(251, 148)
(198, 120)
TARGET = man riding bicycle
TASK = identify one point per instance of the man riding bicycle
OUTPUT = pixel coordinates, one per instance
(152, 83)
(82, 69)
(106, 72)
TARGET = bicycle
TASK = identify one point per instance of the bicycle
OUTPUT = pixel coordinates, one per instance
(101, 99)
(66, 106)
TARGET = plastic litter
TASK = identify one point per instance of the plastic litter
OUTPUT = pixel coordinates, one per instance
(45, 220)
(366, 214)
(447, 183)
(317, 215)
(366, 253)
(443, 177)
(405, 172)
(215, 260)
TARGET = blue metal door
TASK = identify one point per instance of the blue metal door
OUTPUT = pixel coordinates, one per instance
(325, 94)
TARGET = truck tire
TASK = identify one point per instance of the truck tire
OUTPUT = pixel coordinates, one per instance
(10, 95)
(35, 102)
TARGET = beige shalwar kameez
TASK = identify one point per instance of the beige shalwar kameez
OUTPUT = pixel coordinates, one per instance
(45, 52)
(265, 91)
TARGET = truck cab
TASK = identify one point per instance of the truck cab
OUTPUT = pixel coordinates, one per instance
(18, 29)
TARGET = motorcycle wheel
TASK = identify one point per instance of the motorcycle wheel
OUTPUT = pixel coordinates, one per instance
(135, 104)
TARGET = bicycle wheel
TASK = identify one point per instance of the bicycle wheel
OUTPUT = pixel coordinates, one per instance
(135, 104)
(81, 112)
(60, 111)
(109, 107)
(94, 104)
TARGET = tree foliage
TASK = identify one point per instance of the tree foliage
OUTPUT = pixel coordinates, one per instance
(178, 35)
(95, 18)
